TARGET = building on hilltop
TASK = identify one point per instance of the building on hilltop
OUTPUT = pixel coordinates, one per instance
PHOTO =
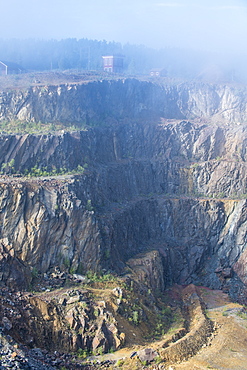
(113, 63)
(7, 68)
(158, 72)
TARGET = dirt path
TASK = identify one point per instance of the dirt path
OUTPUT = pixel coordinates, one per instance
(228, 348)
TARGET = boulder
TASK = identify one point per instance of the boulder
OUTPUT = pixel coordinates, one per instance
(147, 355)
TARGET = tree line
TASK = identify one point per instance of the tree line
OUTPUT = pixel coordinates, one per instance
(85, 54)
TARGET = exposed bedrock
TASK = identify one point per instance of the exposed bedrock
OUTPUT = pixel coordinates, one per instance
(46, 223)
(128, 98)
(164, 196)
(131, 159)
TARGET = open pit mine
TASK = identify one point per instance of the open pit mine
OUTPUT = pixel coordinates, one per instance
(123, 227)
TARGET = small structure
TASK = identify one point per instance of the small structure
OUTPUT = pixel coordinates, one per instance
(113, 63)
(158, 72)
(7, 68)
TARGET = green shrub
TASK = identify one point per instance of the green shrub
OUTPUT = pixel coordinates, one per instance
(72, 270)
(167, 311)
(135, 317)
(8, 167)
(66, 262)
(36, 171)
(158, 360)
(34, 273)
(93, 276)
(119, 362)
(82, 353)
(89, 206)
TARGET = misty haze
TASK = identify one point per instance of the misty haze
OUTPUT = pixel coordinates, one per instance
(184, 37)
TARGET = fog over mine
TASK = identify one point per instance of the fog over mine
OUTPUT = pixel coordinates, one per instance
(123, 184)
(211, 25)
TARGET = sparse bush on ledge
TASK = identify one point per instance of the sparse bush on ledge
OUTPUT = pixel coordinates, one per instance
(24, 127)
(8, 169)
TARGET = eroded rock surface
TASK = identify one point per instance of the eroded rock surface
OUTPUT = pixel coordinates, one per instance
(162, 197)
(126, 98)
(174, 187)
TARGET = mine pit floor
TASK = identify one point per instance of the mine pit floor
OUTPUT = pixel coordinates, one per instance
(227, 350)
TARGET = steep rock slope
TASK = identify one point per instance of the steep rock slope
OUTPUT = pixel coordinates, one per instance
(128, 98)
(148, 183)
(134, 196)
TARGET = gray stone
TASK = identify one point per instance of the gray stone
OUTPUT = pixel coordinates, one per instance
(147, 355)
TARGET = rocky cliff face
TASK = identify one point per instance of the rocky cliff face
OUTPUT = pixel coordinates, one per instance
(176, 187)
(128, 98)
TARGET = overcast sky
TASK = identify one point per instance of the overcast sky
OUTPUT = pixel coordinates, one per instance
(203, 24)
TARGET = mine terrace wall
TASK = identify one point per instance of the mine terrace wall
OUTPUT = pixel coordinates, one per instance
(95, 102)
(149, 183)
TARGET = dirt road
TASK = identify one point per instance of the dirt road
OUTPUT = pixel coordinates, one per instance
(228, 348)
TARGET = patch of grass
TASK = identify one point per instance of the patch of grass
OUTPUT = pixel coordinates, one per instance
(194, 165)
(107, 254)
(8, 167)
(89, 206)
(35, 171)
(135, 317)
(96, 312)
(166, 311)
(225, 313)
(158, 359)
(66, 262)
(96, 277)
(43, 171)
(120, 362)
(220, 195)
(72, 270)
(100, 351)
(242, 315)
(83, 353)
(24, 127)
(34, 273)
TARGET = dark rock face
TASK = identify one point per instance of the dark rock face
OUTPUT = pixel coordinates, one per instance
(138, 204)
(41, 322)
(147, 186)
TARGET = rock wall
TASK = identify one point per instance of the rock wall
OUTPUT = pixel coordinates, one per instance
(200, 331)
(46, 225)
(128, 98)
(47, 222)
(177, 157)
(175, 187)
